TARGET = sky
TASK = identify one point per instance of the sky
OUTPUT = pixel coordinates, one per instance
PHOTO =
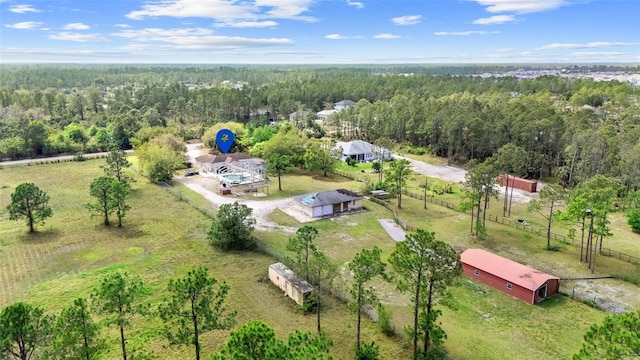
(320, 31)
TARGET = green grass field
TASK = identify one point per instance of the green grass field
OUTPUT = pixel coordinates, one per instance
(163, 238)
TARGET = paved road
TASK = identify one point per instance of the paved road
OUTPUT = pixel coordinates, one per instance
(56, 158)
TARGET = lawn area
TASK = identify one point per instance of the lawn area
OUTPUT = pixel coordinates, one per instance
(162, 238)
(299, 182)
(482, 319)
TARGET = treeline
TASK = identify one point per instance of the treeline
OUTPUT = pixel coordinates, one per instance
(570, 128)
(69, 76)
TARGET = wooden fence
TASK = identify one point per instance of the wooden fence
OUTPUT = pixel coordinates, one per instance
(515, 224)
(530, 229)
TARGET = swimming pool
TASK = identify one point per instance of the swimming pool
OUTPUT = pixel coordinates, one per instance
(236, 178)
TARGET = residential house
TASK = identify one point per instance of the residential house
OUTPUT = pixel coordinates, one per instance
(343, 105)
(231, 162)
(362, 151)
(327, 203)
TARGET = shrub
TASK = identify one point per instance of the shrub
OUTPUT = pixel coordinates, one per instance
(368, 352)
(384, 320)
(633, 219)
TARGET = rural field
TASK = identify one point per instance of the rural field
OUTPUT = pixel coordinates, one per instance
(163, 238)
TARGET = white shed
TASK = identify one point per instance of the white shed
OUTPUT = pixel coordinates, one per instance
(285, 279)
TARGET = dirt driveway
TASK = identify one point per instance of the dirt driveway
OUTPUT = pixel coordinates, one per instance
(456, 175)
(207, 187)
(612, 295)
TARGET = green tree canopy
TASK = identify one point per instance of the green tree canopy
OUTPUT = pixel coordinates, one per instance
(257, 341)
(365, 266)
(30, 202)
(23, 328)
(76, 334)
(278, 164)
(101, 188)
(397, 174)
(118, 298)
(196, 305)
(317, 158)
(618, 337)
(232, 227)
(424, 267)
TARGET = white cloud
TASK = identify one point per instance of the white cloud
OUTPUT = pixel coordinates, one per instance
(76, 26)
(386, 36)
(25, 25)
(77, 37)
(595, 44)
(597, 53)
(356, 4)
(464, 33)
(124, 26)
(192, 39)
(23, 8)
(493, 20)
(407, 20)
(153, 34)
(226, 10)
(247, 24)
(521, 6)
(335, 37)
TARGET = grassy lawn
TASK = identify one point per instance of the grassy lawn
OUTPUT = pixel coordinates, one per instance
(162, 238)
(486, 323)
(298, 182)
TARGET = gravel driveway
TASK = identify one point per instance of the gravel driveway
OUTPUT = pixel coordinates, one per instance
(611, 295)
(207, 187)
(456, 175)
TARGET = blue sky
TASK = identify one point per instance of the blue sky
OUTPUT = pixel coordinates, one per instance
(320, 31)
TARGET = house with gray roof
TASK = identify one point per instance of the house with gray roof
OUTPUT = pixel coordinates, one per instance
(328, 203)
(343, 105)
(362, 151)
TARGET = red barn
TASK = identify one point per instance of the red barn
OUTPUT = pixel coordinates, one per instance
(519, 183)
(508, 276)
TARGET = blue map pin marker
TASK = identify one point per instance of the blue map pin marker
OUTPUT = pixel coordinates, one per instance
(224, 139)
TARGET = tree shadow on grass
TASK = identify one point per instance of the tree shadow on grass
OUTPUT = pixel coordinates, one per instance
(332, 178)
(40, 236)
(127, 231)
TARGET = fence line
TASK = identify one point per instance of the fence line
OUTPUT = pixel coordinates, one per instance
(530, 229)
(515, 224)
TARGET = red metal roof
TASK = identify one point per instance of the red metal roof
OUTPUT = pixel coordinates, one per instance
(509, 270)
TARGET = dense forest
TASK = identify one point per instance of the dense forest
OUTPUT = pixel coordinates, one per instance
(570, 128)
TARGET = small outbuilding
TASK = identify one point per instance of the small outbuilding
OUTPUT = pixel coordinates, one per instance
(508, 276)
(328, 202)
(285, 279)
(519, 183)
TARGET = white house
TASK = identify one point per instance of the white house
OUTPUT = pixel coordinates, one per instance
(324, 114)
(362, 151)
(343, 105)
(328, 202)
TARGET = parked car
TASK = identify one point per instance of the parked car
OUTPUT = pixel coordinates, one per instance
(191, 173)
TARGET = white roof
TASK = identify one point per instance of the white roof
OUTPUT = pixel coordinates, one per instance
(355, 147)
